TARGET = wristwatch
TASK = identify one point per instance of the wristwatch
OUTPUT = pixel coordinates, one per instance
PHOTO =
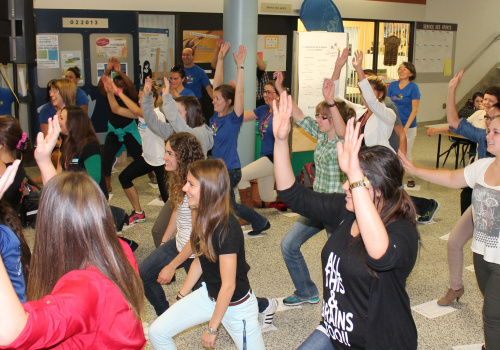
(212, 331)
(363, 182)
(331, 105)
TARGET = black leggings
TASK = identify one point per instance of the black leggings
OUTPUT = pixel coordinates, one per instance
(111, 147)
(140, 167)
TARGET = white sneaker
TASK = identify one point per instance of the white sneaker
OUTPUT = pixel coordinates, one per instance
(266, 317)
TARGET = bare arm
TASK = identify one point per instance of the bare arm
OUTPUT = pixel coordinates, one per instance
(126, 80)
(260, 63)
(215, 58)
(107, 73)
(339, 64)
(219, 70)
(210, 91)
(44, 149)
(451, 108)
(249, 115)
(167, 273)
(338, 122)
(132, 111)
(433, 131)
(413, 114)
(443, 177)
(193, 276)
(283, 171)
(400, 131)
(239, 58)
(227, 266)
(297, 113)
(371, 227)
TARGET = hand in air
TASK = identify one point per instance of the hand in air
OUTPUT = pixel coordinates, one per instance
(8, 176)
(357, 60)
(239, 57)
(281, 117)
(456, 80)
(46, 145)
(349, 150)
(328, 90)
(342, 59)
(224, 48)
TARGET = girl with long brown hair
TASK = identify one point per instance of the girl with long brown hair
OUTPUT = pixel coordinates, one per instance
(84, 290)
(217, 240)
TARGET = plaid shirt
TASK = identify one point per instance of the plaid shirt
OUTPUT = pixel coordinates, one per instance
(261, 83)
(329, 178)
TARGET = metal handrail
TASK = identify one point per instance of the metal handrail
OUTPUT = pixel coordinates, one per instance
(481, 53)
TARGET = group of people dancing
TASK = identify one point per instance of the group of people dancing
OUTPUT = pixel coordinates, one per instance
(79, 265)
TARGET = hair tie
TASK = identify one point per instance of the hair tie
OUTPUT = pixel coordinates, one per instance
(402, 187)
(22, 140)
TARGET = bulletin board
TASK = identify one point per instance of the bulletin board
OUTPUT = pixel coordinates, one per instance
(434, 51)
(272, 49)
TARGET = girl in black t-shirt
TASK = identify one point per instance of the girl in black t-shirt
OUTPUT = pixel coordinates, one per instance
(225, 296)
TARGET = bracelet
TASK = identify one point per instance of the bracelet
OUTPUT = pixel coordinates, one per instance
(331, 105)
(211, 331)
(241, 67)
(364, 182)
(179, 296)
(118, 91)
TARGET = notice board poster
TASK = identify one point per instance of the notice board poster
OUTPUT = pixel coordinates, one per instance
(47, 51)
(317, 53)
(434, 47)
(107, 47)
(203, 42)
(272, 49)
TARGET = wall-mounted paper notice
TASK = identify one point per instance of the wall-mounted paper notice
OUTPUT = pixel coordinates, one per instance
(447, 67)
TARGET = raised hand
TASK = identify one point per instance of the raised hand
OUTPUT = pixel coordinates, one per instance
(349, 150)
(8, 177)
(279, 77)
(117, 65)
(165, 89)
(148, 83)
(357, 60)
(456, 80)
(109, 66)
(108, 84)
(328, 90)
(46, 145)
(281, 117)
(224, 48)
(342, 59)
(239, 58)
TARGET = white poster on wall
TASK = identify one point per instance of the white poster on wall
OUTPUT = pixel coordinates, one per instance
(47, 51)
(272, 49)
(317, 53)
(156, 46)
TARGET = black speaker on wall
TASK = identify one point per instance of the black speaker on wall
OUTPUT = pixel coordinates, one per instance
(24, 32)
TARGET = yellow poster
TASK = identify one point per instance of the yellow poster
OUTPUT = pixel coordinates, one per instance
(111, 47)
(203, 42)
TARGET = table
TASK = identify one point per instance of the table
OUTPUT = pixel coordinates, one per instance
(447, 133)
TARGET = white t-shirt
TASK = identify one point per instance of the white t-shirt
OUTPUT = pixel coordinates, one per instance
(477, 119)
(184, 226)
(485, 211)
(153, 145)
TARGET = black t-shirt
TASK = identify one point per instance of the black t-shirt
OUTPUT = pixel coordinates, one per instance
(117, 120)
(233, 243)
(361, 311)
(14, 193)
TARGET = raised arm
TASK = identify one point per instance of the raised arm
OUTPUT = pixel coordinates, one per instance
(111, 91)
(283, 171)
(338, 122)
(44, 149)
(371, 227)
(239, 58)
(219, 70)
(451, 108)
(443, 177)
(215, 57)
(339, 64)
(126, 80)
(149, 115)
(107, 72)
(297, 113)
(260, 63)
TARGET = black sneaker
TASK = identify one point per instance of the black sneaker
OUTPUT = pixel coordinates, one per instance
(429, 214)
(258, 232)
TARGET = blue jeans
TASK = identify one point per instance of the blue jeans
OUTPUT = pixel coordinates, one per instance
(258, 221)
(317, 341)
(150, 269)
(197, 308)
(303, 229)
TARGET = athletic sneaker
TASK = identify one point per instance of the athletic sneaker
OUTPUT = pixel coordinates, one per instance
(135, 217)
(293, 300)
(266, 316)
(429, 214)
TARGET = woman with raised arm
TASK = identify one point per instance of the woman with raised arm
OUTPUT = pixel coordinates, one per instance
(228, 117)
(84, 291)
(153, 146)
(482, 176)
(330, 117)
(217, 240)
(368, 257)
(377, 120)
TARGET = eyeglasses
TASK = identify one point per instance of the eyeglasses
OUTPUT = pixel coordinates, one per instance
(487, 117)
(324, 117)
(54, 91)
(269, 92)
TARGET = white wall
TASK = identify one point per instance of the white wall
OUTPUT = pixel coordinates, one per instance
(477, 23)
